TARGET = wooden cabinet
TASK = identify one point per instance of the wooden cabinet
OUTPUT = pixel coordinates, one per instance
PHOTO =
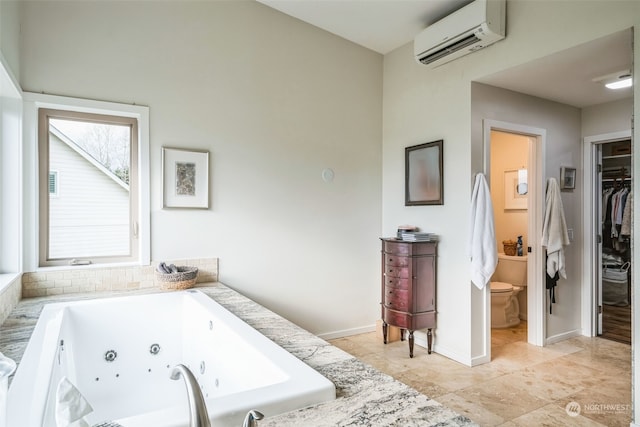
(408, 298)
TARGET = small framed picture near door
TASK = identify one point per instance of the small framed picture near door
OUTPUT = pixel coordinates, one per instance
(423, 174)
(513, 200)
(567, 178)
(185, 178)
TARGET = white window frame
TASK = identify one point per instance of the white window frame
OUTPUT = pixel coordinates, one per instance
(33, 102)
(11, 173)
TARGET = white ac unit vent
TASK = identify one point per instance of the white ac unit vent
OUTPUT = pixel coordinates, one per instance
(473, 27)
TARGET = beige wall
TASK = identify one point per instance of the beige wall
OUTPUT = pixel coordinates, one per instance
(275, 101)
(607, 118)
(509, 152)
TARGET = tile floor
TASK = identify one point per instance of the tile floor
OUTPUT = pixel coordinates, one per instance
(524, 385)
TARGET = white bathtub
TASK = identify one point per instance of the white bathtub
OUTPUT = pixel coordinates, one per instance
(238, 368)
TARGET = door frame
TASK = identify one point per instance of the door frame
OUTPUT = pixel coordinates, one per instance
(536, 295)
(591, 270)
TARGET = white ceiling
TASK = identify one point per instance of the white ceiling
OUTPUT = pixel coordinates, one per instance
(567, 76)
(384, 25)
(380, 25)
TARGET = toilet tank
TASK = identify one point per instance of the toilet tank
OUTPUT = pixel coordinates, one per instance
(511, 269)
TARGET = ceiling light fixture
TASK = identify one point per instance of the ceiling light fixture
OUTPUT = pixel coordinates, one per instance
(620, 80)
(620, 84)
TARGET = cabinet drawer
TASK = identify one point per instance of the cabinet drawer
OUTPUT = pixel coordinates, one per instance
(400, 248)
(396, 318)
(423, 248)
(395, 298)
(408, 321)
(397, 261)
(393, 271)
(397, 282)
(424, 320)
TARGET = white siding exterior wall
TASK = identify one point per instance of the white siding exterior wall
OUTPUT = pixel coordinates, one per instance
(90, 214)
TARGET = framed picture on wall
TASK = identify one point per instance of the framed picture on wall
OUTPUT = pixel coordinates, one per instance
(185, 178)
(567, 178)
(513, 200)
(423, 174)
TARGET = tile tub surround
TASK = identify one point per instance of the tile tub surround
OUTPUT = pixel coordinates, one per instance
(9, 298)
(365, 396)
(49, 282)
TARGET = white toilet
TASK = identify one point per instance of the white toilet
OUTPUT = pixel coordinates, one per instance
(508, 280)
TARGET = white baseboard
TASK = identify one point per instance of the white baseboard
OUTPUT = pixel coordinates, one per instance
(480, 360)
(564, 336)
(420, 338)
(347, 332)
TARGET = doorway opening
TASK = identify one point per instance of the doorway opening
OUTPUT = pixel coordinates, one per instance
(509, 159)
(611, 235)
(513, 156)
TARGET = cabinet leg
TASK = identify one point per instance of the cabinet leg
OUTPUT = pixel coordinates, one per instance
(384, 331)
(429, 340)
(402, 334)
(410, 343)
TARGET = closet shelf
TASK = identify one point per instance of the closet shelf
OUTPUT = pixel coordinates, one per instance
(625, 178)
(619, 156)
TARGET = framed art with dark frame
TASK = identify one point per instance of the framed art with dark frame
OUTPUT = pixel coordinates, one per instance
(185, 178)
(423, 174)
(567, 178)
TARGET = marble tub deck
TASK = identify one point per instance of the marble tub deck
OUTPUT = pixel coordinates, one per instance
(364, 395)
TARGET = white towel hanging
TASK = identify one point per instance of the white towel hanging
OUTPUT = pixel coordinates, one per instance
(482, 245)
(554, 230)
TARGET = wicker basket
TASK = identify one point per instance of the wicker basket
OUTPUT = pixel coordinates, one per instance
(185, 278)
(509, 247)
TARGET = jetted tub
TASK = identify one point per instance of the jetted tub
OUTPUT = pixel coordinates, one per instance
(119, 353)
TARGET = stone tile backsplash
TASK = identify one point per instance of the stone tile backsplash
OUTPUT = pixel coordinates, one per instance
(75, 280)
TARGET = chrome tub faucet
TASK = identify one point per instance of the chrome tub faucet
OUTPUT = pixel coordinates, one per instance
(197, 408)
(251, 420)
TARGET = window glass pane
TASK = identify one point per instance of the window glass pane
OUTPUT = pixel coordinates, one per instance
(89, 215)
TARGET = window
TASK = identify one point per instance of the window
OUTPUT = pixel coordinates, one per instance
(94, 216)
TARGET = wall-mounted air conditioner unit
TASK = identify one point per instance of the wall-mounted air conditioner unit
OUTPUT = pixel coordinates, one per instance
(473, 27)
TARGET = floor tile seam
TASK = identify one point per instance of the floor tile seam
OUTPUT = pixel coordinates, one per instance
(550, 404)
(540, 362)
(599, 393)
(500, 415)
(483, 383)
(468, 388)
(589, 364)
(461, 410)
(528, 412)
